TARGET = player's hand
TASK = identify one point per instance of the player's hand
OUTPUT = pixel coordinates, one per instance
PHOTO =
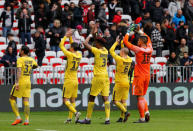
(16, 86)
(118, 39)
(132, 27)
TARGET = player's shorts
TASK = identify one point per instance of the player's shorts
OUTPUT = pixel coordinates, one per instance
(120, 93)
(24, 90)
(100, 86)
(140, 85)
(70, 88)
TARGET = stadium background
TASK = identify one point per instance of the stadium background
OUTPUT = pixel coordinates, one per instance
(171, 81)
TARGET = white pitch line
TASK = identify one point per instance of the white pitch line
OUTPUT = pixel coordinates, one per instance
(44, 130)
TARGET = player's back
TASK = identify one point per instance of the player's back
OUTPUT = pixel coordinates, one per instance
(26, 64)
(100, 61)
(73, 61)
(142, 66)
(122, 69)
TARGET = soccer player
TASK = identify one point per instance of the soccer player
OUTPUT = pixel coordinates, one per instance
(22, 87)
(143, 52)
(70, 88)
(121, 89)
(100, 82)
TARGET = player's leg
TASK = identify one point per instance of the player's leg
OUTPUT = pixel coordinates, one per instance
(107, 109)
(147, 114)
(141, 108)
(13, 95)
(26, 110)
(94, 91)
(90, 107)
(137, 90)
(116, 98)
(105, 95)
(70, 115)
(69, 105)
(14, 107)
(68, 91)
(122, 113)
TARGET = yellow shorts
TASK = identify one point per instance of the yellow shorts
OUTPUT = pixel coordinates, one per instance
(120, 93)
(100, 85)
(24, 90)
(70, 89)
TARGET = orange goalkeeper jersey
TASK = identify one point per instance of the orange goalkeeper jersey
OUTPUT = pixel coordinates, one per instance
(142, 57)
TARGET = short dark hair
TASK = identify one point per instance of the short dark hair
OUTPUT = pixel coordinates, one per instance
(75, 46)
(9, 34)
(103, 4)
(101, 41)
(144, 39)
(25, 49)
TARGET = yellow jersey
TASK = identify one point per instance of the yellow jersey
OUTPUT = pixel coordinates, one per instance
(73, 61)
(122, 66)
(100, 61)
(26, 64)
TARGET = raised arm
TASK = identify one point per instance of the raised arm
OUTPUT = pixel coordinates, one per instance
(86, 44)
(129, 45)
(71, 40)
(112, 50)
(63, 49)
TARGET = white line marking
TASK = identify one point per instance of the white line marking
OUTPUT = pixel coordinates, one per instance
(44, 130)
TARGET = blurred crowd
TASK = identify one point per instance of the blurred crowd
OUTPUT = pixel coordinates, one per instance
(169, 23)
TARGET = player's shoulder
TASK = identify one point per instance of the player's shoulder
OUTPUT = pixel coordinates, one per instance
(79, 54)
(128, 59)
(30, 58)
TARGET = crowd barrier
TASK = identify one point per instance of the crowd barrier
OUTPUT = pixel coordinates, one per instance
(55, 75)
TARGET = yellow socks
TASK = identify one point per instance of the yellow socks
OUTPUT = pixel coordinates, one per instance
(121, 106)
(122, 113)
(89, 110)
(70, 107)
(14, 108)
(26, 110)
(71, 113)
(107, 110)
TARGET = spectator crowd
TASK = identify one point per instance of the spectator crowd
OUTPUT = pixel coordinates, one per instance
(169, 23)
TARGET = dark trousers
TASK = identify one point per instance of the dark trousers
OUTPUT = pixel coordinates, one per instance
(24, 36)
(158, 51)
(40, 57)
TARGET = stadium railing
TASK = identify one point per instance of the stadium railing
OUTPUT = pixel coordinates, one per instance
(55, 75)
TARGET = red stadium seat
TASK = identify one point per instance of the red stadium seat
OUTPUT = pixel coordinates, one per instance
(56, 78)
(45, 62)
(84, 61)
(160, 60)
(56, 62)
(50, 54)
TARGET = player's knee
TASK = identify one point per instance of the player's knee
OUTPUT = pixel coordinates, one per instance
(105, 98)
(91, 98)
(115, 102)
(12, 98)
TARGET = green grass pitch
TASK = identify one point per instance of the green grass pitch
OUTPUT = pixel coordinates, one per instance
(161, 120)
